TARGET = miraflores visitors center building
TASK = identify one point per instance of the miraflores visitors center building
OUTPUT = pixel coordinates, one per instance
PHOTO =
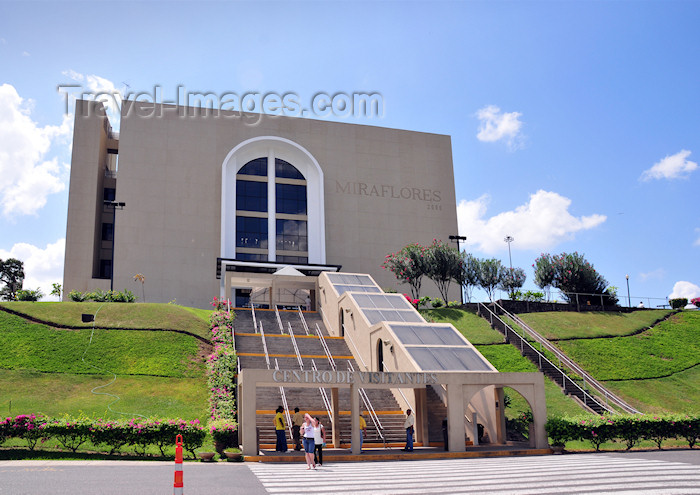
(274, 211)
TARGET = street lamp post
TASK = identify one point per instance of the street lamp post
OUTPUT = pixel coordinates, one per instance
(459, 238)
(629, 300)
(508, 239)
(115, 205)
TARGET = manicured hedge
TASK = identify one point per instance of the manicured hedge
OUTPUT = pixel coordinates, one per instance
(71, 433)
(629, 430)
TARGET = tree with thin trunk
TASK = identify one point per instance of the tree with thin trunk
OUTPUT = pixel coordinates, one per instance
(491, 273)
(444, 266)
(12, 276)
(140, 277)
(408, 265)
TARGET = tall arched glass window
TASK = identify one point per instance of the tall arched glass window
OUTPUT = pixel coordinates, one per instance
(263, 221)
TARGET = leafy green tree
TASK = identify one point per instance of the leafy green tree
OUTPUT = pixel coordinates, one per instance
(444, 266)
(408, 265)
(469, 274)
(572, 274)
(29, 295)
(57, 290)
(491, 273)
(513, 279)
(12, 276)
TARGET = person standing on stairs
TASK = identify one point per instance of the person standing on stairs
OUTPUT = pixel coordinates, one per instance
(408, 424)
(297, 421)
(363, 431)
(280, 426)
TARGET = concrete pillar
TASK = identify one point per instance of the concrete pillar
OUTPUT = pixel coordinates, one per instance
(335, 409)
(455, 418)
(355, 418)
(249, 438)
(421, 418)
(500, 416)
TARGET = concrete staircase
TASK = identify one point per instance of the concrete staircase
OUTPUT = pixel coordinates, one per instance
(251, 355)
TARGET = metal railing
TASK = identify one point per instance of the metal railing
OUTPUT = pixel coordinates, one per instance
(324, 395)
(283, 394)
(326, 349)
(296, 348)
(255, 321)
(566, 381)
(357, 352)
(372, 413)
(303, 321)
(568, 363)
(262, 335)
(279, 320)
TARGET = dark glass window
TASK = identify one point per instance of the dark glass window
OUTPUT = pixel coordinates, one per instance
(109, 193)
(105, 268)
(255, 167)
(291, 199)
(107, 231)
(251, 196)
(242, 298)
(251, 232)
(291, 235)
(286, 170)
(292, 259)
(251, 256)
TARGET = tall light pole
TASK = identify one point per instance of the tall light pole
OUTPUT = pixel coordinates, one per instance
(629, 301)
(509, 239)
(115, 206)
(459, 238)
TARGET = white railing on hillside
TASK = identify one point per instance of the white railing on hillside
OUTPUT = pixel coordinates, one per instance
(564, 360)
(524, 343)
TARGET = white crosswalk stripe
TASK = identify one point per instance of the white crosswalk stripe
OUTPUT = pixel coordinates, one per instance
(579, 474)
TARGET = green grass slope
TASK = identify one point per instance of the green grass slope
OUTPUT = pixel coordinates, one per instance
(159, 373)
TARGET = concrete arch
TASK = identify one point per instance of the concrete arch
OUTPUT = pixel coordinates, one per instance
(274, 147)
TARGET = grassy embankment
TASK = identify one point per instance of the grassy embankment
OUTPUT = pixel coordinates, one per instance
(159, 373)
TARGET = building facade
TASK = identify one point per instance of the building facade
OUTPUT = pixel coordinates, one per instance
(184, 196)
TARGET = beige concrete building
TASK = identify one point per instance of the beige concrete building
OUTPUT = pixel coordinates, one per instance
(210, 203)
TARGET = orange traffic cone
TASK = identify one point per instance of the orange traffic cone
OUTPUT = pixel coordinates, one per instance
(177, 486)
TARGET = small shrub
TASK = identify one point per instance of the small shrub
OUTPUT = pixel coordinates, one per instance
(424, 301)
(678, 303)
(29, 295)
(438, 303)
(454, 304)
(77, 296)
(533, 296)
(696, 301)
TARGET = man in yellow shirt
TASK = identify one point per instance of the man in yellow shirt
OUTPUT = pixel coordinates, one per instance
(280, 425)
(297, 421)
(363, 431)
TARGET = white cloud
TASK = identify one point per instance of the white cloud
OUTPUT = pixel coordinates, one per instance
(28, 177)
(496, 125)
(541, 223)
(100, 89)
(26, 54)
(684, 289)
(672, 167)
(697, 241)
(657, 274)
(42, 267)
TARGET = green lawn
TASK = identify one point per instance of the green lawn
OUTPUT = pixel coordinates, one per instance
(565, 325)
(473, 327)
(56, 394)
(38, 347)
(118, 315)
(670, 347)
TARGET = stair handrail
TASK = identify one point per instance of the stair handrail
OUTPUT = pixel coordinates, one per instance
(569, 363)
(255, 321)
(324, 395)
(279, 320)
(368, 405)
(285, 405)
(326, 349)
(408, 404)
(541, 357)
(357, 353)
(296, 348)
(303, 321)
(262, 335)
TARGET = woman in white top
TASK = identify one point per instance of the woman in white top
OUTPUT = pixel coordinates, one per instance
(319, 442)
(308, 429)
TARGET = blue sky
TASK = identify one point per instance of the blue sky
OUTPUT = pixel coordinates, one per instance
(575, 125)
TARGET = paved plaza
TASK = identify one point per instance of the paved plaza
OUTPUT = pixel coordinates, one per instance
(667, 472)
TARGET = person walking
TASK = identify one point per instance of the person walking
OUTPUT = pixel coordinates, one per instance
(280, 425)
(319, 442)
(297, 421)
(309, 444)
(408, 424)
(363, 431)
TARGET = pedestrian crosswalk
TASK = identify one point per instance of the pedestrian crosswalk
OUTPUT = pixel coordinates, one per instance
(581, 473)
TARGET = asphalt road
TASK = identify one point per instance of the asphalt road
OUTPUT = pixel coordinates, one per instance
(673, 471)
